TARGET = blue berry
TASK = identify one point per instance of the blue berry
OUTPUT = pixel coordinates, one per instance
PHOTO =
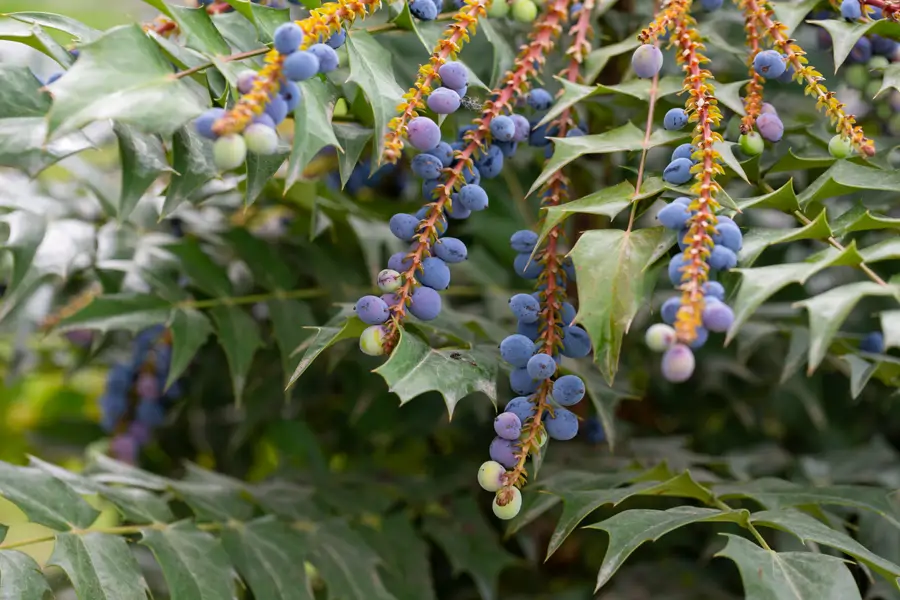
(450, 250)
(522, 407)
(675, 119)
(523, 128)
(714, 289)
(525, 267)
(435, 273)
(529, 330)
(873, 342)
(717, 316)
(473, 197)
(291, 94)
(507, 148)
(769, 64)
(516, 349)
(576, 343)
(669, 310)
(851, 10)
(203, 124)
(563, 425)
(646, 61)
(684, 151)
(277, 109)
(443, 152)
(722, 259)
(700, 338)
(523, 241)
(503, 128)
(337, 40)
(861, 52)
(770, 127)
(594, 431)
(568, 390)
(728, 235)
(398, 262)
(443, 101)
(678, 363)
(711, 5)
(404, 226)
(300, 65)
(504, 452)
(425, 303)
(567, 313)
(424, 134)
(521, 382)
(490, 163)
(525, 308)
(457, 210)
(453, 74)
(423, 9)
(426, 166)
(245, 81)
(471, 175)
(541, 366)
(508, 426)
(674, 216)
(676, 268)
(428, 188)
(288, 38)
(328, 58)
(678, 172)
(540, 99)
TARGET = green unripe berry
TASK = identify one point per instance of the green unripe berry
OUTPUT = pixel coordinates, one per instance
(229, 152)
(660, 337)
(873, 88)
(507, 503)
(877, 63)
(498, 9)
(857, 76)
(840, 147)
(524, 11)
(389, 280)
(261, 139)
(752, 143)
(371, 341)
(489, 476)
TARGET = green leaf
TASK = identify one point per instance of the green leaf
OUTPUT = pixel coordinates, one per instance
(783, 199)
(470, 545)
(312, 126)
(190, 329)
(791, 14)
(726, 151)
(353, 139)
(20, 94)
(35, 37)
(829, 310)
(193, 562)
(23, 145)
(639, 89)
(859, 218)
(414, 368)
(613, 286)
(143, 158)
(890, 327)
(268, 19)
(577, 505)
(291, 320)
(502, 54)
(809, 529)
(792, 162)
(844, 35)
(757, 240)
(193, 165)
(203, 271)
(626, 138)
(75, 28)
(269, 556)
(604, 398)
(264, 261)
(797, 349)
(406, 569)
(122, 75)
(630, 529)
(347, 564)
(888, 249)
(21, 578)
(260, 170)
(608, 202)
(861, 372)
(729, 94)
(891, 78)
(845, 177)
(26, 232)
(370, 67)
(759, 284)
(45, 499)
(239, 337)
(339, 328)
(199, 31)
(100, 566)
(776, 493)
(769, 575)
(131, 312)
(597, 59)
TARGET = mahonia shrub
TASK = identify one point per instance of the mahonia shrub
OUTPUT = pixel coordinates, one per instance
(451, 299)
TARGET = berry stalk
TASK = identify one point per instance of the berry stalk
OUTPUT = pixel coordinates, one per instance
(890, 10)
(665, 19)
(456, 34)
(542, 38)
(845, 124)
(753, 99)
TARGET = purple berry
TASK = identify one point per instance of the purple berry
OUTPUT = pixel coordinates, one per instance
(770, 127)
(503, 128)
(684, 151)
(523, 128)
(288, 38)
(398, 262)
(490, 163)
(678, 172)
(873, 343)
(443, 101)
(646, 61)
(769, 64)
(676, 268)
(328, 58)
(722, 259)
(423, 9)
(540, 99)
(372, 310)
(563, 425)
(525, 267)
(450, 250)
(714, 289)
(523, 241)
(291, 94)
(245, 81)
(426, 166)
(522, 407)
(300, 65)
(717, 316)
(337, 40)
(675, 119)
(541, 366)
(444, 153)
(850, 10)
(473, 197)
(576, 343)
(423, 133)
(508, 426)
(203, 124)
(678, 363)
(504, 452)
(516, 349)
(674, 216)
(521, 382)
(404, 226)
(669, 310)
(425, 303)
(525, 308)
(568, 390)
(435, 273)
(453, 74)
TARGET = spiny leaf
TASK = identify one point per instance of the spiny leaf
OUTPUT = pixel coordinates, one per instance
(757, 240)
(239, 336)
(844, 35)
(21, 578)
(131, 312)
(202, 270)
(608, 202)
(339, 328)
(260, 170)
(347, 564)
(783, 199)
(844, 177)
(23, 145)
(100, 566)
(415, 368)
(20, 94)
(143, 159)
(312, 127)
(193, 165)
(190, 330)
(44, 499)
(26, 232)
(291, 320)
(353, 140)
(859, 218)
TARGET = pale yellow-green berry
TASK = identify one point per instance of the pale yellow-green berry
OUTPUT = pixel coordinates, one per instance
(498, 9)
(371, 340)
(524, 11)
(507, 503)
(840, 147)
(261, 139)
(752, 143)
(660, 337)
(489, 476)
(389, 280)
(229, 152)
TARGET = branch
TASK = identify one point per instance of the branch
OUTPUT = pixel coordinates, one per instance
(753, 99)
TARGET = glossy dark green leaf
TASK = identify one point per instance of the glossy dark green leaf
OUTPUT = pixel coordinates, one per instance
(630, 529)
(45, 499)
(74, 27)
(470, 545)
(203, 271)
(264, 261)
(291, 320)
(193, 165)
(626, 138)
(608, 202)
(829, 310)
(792, 162)
(370, 67)
(312, 126)
(845, 177)
(791, 14)
(844, 35)
(100, 566)
(193, 562)
(190, 330)
(143, 159)
(260, 170)
(269, 555)
(769, 575)
(598, 58)
(414, 368)
(353, 139)
(783, 199)
(859, 218)
(239, 336)
(757, 240)
(199, 31)
(21, 578)
(26, 232)
(888, 249)
(726, 152)
(20, 94)
(122, 75)
(891, 78)
(405, 555)
(33, 35)
(729, 94)
(23, 145)
(131, 312)
(339, 328)
(348, 566)
(502, 53)
(613, 285)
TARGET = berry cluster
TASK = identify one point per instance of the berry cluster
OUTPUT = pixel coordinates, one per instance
(134, 401)
(261, 137)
